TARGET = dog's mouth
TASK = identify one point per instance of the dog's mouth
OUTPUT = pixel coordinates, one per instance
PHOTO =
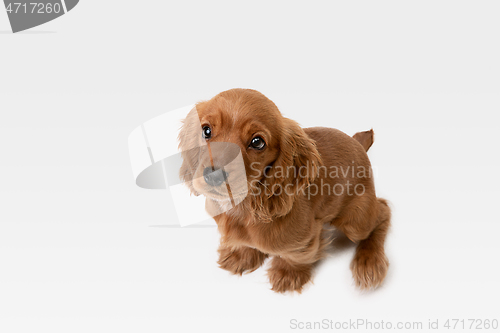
(223, 193)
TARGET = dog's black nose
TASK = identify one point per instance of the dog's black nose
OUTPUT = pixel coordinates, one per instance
(214, 178)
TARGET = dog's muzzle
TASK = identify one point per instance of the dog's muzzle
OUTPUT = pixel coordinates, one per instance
(214, 177)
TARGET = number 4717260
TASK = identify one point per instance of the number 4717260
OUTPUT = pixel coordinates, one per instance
(471, 324)
(34, 8)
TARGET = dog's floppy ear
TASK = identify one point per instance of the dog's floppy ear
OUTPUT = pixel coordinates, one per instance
(294, 169)
(190, 142)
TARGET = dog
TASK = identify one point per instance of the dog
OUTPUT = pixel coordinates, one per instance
(298, 181)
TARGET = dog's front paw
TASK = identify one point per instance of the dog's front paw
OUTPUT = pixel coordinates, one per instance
(284, 277)
(240, 260)
(369, 269)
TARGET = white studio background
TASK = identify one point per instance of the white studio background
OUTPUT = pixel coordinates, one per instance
(82, 249)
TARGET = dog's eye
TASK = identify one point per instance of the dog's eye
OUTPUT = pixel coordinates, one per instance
(257, 143)
(206, 132)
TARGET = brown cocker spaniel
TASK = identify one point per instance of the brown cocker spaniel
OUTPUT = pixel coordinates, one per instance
(298, 181)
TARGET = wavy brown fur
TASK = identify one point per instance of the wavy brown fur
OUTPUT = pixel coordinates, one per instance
(289, 228)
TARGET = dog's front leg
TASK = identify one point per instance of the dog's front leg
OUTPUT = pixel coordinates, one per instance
(241, 259)
(285, 275)
(292, 270)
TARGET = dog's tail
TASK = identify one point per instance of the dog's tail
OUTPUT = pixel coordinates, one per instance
(365, 138)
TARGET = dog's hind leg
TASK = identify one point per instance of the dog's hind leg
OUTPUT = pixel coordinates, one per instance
(368, 228)
(370, 264)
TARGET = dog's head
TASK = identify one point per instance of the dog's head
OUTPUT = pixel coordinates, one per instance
(279, 158)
